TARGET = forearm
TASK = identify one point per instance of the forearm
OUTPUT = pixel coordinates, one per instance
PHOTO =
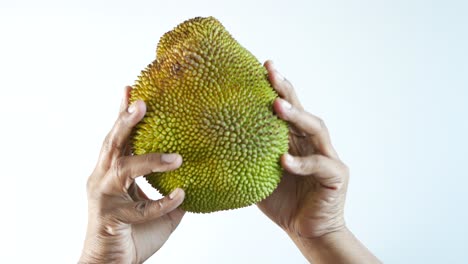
(336, 247)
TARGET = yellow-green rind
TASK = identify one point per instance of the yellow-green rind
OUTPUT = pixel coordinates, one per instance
(209, 100)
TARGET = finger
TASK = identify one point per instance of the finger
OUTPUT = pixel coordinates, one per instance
(307, 123)
(328, 172)
(117, 140)
(143, 211)
(175, 217)
(281, 85)
(140, 193)
(125, 169)
(136, 193)
(127, 149)
(126, 98)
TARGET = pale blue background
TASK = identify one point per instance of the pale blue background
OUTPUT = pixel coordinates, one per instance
(390, 78)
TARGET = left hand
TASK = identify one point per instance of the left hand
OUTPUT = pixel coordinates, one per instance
(124, 226)
(309, 200)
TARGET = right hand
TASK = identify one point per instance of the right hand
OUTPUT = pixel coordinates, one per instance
(124, 226)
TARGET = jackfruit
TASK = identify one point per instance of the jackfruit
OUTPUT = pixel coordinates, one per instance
(209, 99)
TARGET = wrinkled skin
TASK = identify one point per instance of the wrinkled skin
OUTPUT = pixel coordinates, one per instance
(310, 198)
(124, 226)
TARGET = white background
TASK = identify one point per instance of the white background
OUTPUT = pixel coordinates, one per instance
(388, 77)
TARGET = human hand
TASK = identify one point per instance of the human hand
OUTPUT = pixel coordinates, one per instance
(124, 226)
(310, 198)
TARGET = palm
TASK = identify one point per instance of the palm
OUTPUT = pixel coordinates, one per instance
(296, 198)
(150, 237)
(147, 237)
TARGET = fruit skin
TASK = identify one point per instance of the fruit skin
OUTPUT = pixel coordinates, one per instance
(209, 99)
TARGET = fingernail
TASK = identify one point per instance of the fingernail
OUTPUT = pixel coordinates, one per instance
(174, 193)
(289, 159)
(132, 108)
(285, 104)
(168, 158)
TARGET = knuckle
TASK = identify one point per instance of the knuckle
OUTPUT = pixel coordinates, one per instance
(342, 176)
(295, 115)
(301, 165)
(94, 182)
(284, 87)
(321, 123)
(106, 143)
(90, 185)
(152, 158)
(149, 209)
(118, 167)
(322, 128)
(308, 165)
(110, 143)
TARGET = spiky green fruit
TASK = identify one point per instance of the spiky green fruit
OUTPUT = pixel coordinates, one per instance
(209, 100)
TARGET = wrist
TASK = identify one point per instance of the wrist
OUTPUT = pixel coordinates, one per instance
(338, 246)
(322, 241)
